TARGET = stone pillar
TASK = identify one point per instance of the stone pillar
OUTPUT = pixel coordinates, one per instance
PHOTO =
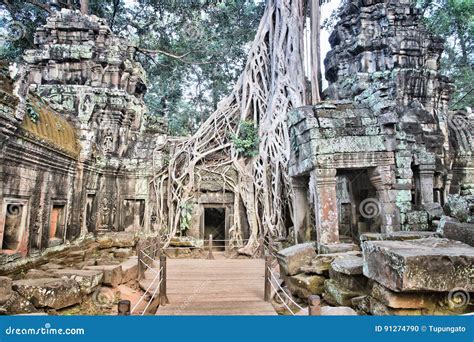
(301, 209)
(327, 225)
(426, 183)
(383, 178)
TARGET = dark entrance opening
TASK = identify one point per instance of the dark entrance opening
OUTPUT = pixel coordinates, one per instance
(214, 224)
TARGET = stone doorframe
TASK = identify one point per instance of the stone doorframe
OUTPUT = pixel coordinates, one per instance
(216, 200)
(58, 202)
(146, 216)
(381, 169)
(23, 237)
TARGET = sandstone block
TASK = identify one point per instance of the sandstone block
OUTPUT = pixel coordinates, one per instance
(350, 265)
(463, 232)
(5, 289)
(56, 293)
(117, 239)
(341, 295)
(397, 236)
(129, 270)
(303, 285)
(112, 274)
(429, 264)
(292, 258)
(329, 248)
(88, 280)
(404, 300)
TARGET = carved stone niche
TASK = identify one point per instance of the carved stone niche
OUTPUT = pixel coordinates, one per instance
(13, 226)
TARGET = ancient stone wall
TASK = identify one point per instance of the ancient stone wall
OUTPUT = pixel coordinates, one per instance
(77, 156)
(386, 116)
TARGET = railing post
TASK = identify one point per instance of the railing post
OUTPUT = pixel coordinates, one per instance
(163, 297)
(267, 289)
(262, 248)
(314, 305)
(211, 256)
(123, 308)
(141, 266)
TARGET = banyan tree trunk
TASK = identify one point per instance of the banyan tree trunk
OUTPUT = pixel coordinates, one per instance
(271, 84)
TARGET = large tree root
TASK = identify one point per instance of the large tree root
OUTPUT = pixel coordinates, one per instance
(271, 84)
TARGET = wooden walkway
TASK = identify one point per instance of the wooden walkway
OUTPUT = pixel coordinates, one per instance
(216, 287)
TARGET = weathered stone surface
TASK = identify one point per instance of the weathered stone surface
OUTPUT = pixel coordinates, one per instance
(341, 295)
(292, 258)
(379, 309)
(37, 274)
(112, 274)
(404, 300)
(398, 236)
(337, 311)
(357, 283)
(458, 207)
(322, 262)
(429, 264)
(303, 285)
(351, 265)
(129, 270)
(123, 253)
(119, 239)
(463, 232)
(331, 248)
(5, 289)
(88, 280)
(56, 293)
(16, 304)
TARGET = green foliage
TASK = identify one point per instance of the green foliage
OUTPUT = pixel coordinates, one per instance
(185, 217)
(246, 141)
(32, 113)
(453, 20)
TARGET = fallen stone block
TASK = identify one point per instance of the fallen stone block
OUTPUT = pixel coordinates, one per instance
(463, 232)
(303, 285)
(37, 274)
(122, 253)
(341, 295)
(56, 293)
(15, 304)
(397, 300)
(330, 248)
(379, 309)
(129, 270)
(357, 283)
(117, 239)
(350, 265)
(5, 289)
(429, 264)
(292, 258)
(321, 263)
(88, 280)
(398, 236)
(112, 274)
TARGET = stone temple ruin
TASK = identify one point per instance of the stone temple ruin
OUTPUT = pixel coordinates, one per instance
(382, 171)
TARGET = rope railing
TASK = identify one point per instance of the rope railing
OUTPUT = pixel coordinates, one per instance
(157, 276)
(314, 302)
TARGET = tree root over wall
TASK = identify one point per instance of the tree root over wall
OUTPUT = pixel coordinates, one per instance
(271, 84)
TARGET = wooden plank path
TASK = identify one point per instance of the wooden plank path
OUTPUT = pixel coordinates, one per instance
(216, 287)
